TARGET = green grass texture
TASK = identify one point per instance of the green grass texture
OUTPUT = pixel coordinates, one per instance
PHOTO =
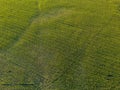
(59, 44)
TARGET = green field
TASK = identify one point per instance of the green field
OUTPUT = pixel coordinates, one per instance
(59, 44)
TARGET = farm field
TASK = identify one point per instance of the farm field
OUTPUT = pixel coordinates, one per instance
(59, 44)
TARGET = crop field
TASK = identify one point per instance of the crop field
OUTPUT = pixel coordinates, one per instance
(59, 44)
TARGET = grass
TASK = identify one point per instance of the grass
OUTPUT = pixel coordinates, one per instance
(59, 45)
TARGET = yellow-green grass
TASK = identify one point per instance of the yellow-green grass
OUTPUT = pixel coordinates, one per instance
(60, 45)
